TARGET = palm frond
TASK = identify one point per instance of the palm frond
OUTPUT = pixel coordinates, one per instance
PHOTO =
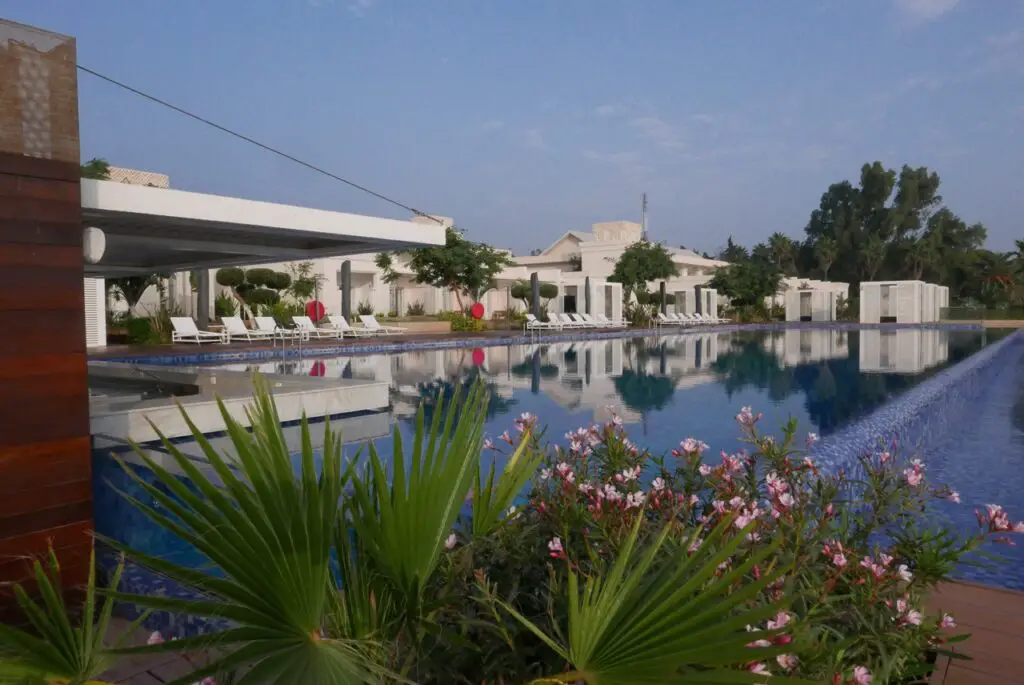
(270, 532)
(402, 522)
(492, 500)
(61, 647)
(677, 620)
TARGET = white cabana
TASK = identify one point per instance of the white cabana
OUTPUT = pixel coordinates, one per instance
(810, 305)
(901, 301)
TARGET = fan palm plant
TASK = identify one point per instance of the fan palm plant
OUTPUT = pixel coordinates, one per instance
(58, 651)
(270, 533)
(680, 620)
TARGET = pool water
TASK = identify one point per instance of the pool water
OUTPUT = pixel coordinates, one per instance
(664, 389)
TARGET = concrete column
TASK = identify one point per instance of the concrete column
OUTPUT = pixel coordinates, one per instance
(535, 294)
(586, 296)
(203, 289)
(346, 289)
(661, 298)
(699, 296)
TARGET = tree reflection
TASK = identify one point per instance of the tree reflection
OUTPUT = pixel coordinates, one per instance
(439, 392)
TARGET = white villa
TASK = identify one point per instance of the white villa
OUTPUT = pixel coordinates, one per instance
(577, 263)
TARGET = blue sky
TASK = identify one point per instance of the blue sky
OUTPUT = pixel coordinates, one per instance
(526, 118)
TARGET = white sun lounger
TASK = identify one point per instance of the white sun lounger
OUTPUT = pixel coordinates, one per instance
(185, 330)
(371, 323)
(605, 321)
(581, 322)
(235, 329)
(535, 324)
(269, 325)
(340, 324)
(306, 325)
(566, 320)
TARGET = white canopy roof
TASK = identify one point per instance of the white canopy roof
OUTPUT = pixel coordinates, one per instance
(152, 230)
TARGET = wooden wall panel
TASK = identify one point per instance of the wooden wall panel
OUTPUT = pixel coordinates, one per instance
(45, 461)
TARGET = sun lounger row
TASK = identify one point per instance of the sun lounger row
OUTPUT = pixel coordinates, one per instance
(687, 319)
(560, 321)
(266, 328)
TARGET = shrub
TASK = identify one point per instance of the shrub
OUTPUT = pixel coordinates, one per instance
(589, 562)
(282, 312)
(464, 323)
(364, 308)
(225, 305)
(260, 277)
(230, 277)
(261, 296)
(415, 309)
(392, 314)
(279, 281)
(139, 330)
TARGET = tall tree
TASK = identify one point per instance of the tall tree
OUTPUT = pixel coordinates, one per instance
(825, 252)
(872, 256)
(748, 283)
(641, 263)
(733, 253)
(465, 267)
(783, 252)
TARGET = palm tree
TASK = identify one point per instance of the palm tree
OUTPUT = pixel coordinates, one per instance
(921, 254)
(825, 251)
(872, 255)
(783, 250)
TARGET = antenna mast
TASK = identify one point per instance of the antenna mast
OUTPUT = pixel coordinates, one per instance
(643, 218)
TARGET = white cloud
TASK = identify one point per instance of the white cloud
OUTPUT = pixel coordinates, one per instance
(659, 132)
(607, 110)
(925, 10)
(361, 7)
(492, 125)
(703, 118)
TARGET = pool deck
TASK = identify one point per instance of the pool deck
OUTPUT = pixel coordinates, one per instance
(993, 616)
(995, 619)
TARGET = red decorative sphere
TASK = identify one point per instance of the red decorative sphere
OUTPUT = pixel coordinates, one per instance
(478, 357)
(315, 310)
(477, 311)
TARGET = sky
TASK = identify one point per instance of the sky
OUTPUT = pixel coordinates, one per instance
(523, 119)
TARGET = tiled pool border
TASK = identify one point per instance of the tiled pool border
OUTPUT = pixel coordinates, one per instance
(926, 409)
(392, 347)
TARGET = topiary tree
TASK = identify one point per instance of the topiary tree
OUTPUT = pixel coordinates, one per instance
(262, 296)
(521, 290)
(260, 277)
(279, 281)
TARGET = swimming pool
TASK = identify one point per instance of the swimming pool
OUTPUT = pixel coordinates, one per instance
(666, 388)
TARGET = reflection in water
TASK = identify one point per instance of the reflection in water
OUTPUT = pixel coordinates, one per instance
(833, 376)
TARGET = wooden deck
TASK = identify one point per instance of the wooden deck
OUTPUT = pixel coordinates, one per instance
(995, 619)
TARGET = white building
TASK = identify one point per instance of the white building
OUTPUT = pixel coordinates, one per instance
(902, 301)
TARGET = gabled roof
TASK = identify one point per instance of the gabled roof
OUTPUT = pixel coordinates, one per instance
(580, 236)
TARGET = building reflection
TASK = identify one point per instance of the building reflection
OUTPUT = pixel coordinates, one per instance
(908, 351)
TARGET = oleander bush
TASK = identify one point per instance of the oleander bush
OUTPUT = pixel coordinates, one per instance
(458, 558)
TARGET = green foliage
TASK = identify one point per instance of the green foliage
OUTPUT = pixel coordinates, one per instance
(415, 309)
(575, 262)
(364, 308)
(464, 323)
(522, 291)
(140, 331)
(261, 296)
(282, 312)
(733, 253)
(65, 645)
(97, 169)
(747, 283)
(641, 263)
(231, 277)
(131, 288)
(303, 281)
(462, 266)
(260, 277)
(225, 305)
(279, 281)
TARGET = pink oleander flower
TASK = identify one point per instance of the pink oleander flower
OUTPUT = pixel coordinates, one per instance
(617, 421)
(569, 477)
(694, 500)
(155, 638)
(718, 505)
(628, 475)
(904, 573)
(913, 617)
(704, 470)
(787, 661)
(747, 418)
(812, 438)
(732, 462)
(692, 446)
(876, 569)
(998, 521)
(562, 468)
(759, 668)
(488, 444)
(736, 502)
(776, 485)
(861, 675)
(885, 457)
(555, 548)
(207, 681)
(947, 622)
(658, 484)
(901, 606)
(953, 497)
(525, 420)
(786, 500)
(695, 544)
(635, 500)
(585, 488)
(885, 559)
(915, 474)
(610, 493)
(839, 560)
(449, 542)
(781, 620)
(506, 437)
(545, 474)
